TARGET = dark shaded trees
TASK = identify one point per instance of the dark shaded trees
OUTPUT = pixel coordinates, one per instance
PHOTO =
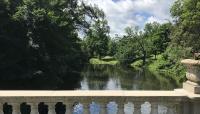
(39, 37)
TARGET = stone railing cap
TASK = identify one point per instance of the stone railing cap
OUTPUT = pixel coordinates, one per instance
(191, 61)
(90, 93)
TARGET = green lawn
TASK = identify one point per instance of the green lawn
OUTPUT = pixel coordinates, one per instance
(98, 61)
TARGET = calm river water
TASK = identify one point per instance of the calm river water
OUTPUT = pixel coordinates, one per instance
(105, 77)
(94, 77)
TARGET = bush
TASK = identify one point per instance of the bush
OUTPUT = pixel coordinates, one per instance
(137, 64)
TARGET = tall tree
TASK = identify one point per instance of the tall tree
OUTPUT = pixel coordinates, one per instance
(187, 23)
(39, 37)
(158, 34)
(97, 37)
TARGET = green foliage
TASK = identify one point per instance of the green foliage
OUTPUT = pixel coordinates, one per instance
(158, 36)
(112, 47)
(125, 50)
(186, 30)
(174, 70)
(39, 37)
(176, 53)
(137, 64)
(97, 38)
(141, 45)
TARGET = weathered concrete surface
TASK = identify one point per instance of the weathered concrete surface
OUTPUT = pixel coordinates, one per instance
(182, 101)
(191, 87)
(191, 61)
(193, 75)
(90, 93)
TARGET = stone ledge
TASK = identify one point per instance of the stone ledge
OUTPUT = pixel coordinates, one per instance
(191, 61)
(191, 87)
(90, 93)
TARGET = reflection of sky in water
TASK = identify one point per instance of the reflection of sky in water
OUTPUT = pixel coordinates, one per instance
(84, 84)
(135, 86)
(113, 84)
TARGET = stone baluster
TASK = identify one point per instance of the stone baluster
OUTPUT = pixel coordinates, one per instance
(1, 108)
(15, 108)
(137, 109)
(34, 108)
(69, 108)
(154, 108)
(196, 107)
(120, 108)
(51, 108)
(185, 108)
(86, 108)
(172, 109)
(103, 108)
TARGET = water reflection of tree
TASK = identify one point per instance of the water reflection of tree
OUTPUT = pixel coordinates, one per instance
(98, 77)
(154, 81)
(69, 82)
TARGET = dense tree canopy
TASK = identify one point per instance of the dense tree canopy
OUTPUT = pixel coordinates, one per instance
(97, 38)
(39, 37)
(141, 45)
(187, 24)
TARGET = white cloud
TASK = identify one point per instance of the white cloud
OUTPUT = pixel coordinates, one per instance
(152, 19)
(123, 13)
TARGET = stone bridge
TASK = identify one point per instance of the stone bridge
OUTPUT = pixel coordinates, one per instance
(185, 100)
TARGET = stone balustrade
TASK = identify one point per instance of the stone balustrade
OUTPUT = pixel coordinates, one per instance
(178, 101)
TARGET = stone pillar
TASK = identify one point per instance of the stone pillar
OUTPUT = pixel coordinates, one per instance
(69, 108)
(120, 108)
(103, 108)
(51, 108)
(15, 108)
(154, 108)
(86, 108)
(34, 108)
(137, 109)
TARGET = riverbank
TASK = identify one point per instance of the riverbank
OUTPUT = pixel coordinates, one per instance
(161, 66)
(158, 66)
(104, 61)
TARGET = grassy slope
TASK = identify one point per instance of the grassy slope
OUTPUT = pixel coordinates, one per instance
(98, 61)
(164, 67)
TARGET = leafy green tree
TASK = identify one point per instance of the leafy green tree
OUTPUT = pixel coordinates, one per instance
(141, 45)
(125, 51)
(132, 46)
(97, 38)
(112, 45)
(40, 38)
(158, 36)
(187, 23)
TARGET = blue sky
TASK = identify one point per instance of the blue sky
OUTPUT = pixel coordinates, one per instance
(123, 13)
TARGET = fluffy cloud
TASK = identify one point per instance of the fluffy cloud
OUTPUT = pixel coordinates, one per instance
(123, 13)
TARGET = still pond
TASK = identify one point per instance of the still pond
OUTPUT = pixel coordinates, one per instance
(95, 77)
